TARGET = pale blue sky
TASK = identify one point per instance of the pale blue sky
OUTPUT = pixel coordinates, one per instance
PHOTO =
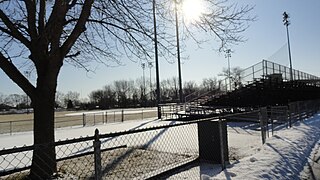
(265, 36)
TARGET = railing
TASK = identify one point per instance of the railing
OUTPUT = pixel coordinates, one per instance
(80, 119)
(195, 95)
(272, 118)
(260, 71)
(172, 110)
(253, 73)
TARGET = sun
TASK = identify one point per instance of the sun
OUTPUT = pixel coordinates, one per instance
(192, 10)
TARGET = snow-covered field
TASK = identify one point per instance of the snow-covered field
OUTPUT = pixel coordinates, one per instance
(284, 156)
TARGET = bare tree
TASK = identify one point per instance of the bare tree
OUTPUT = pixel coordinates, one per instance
(236, 74)
(2, 97)
(124, 91)
(14, 100)
(72, 96)
(40, 36)
(60, 99)
(190, 87)
(209, 84)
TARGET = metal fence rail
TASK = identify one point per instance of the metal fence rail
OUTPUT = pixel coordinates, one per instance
(136, 154)
(276, 117)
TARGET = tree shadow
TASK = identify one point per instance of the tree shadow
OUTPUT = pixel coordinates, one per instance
(109, 139)
(112, 166)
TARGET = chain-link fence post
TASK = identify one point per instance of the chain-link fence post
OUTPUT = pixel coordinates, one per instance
(106, 117)
(289, 115)
(83, 119)
(298, 111)
(102, 116)
(122, 116)
(263, 133)
(142, 114)
(97, 156)
(10, 127)
(272, 123)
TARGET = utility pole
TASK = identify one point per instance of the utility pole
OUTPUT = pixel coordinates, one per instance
(28, 73)
(178, 52)
(143, 65)
(286, 22)
(150, 65)
(156, 57)
(228, 55)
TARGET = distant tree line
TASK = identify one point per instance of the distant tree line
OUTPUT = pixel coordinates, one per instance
(130, 93)
(126, 93)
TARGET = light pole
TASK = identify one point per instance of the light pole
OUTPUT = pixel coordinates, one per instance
(150, 65)
(228, 55)
(178, 52)
(28, 73)
(156, 57)
(286, 22)
(143, 65)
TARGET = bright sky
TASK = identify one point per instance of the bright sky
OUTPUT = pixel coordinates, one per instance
(265, 37)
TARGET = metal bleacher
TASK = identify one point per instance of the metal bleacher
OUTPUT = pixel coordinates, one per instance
(262, 84)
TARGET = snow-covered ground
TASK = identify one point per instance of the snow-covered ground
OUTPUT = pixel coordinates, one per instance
(283, 156)
(286, 155)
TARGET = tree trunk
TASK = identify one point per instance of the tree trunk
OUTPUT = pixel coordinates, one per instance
(44, 155)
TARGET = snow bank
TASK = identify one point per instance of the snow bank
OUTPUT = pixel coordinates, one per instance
(283, 156)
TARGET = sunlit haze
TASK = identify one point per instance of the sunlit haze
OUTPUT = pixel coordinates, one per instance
(192, 10)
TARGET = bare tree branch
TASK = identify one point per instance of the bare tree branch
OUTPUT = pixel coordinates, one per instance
(31, 16)
(79, 27)
(12, 72)
(12, 30)
(42, 15)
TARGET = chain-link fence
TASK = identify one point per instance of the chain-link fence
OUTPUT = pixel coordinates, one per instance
(80, 119)
(155, 152)
(136, 154)
(277, 117)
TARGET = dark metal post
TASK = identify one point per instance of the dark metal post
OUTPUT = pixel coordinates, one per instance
(262, 127)
(97, 156)
(150, 65)
(156, 57)
(122, 116)
(106, 117)
(252, 72)
(142, 114)
(263, 72)
(178, 52)
(83, 119)
(143, 65)
(10, 127)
